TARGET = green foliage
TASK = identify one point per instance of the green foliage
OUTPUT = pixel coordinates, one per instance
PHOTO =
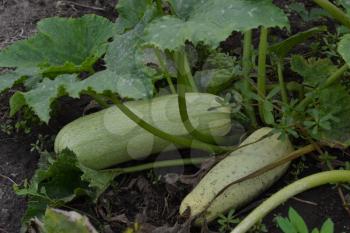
(314, 71)
(58, 221)
(130, 13)
(296, 224)
(212, 22)
(343, 48)
(61, 45)
(218, 72)
(228, 222)
(49, 186)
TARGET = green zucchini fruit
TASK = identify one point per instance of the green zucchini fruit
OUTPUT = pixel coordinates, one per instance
(237, 165)
(109, 137)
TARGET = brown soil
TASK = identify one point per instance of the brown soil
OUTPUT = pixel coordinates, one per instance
(139, 196)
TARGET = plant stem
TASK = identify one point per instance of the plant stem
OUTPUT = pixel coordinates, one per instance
(335, 77)
(291, 190)
(184, 70)
(157, 164)
(337, 13)
(263, 46)
(284, 93)
(165, 71)
(160, 6)
(247, 66)
(185, 118)
(183, 141)
(98, 98)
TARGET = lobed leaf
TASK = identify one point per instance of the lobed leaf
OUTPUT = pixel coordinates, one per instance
(212, 22)
(130, 13)
(129, 78)
(41, 97)
(61, 45)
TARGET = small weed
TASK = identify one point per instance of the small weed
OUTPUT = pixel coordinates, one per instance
(227, 222)
(296, 224)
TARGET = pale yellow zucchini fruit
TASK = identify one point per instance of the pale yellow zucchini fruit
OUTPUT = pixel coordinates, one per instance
(109, 137)
(237, 165)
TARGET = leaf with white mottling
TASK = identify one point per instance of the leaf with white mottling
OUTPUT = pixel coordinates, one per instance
(41, 98)
(129, 77)
(212, 22)
(183, 8)
(130, 13)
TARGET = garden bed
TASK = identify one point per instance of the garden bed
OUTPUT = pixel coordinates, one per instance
(150, 198)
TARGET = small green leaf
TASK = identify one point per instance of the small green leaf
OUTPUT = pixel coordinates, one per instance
(344, 48)
(297, 221)
(335, 101)
(328, 227)
(61, 45)
(282, 48)
(314, 71)
(218, 71)
(315, 231)
(99, 181)
(285, 225)
(212, 22)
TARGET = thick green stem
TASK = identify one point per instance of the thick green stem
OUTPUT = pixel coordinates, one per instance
(291, 190)
(157, 164)
(247, 67)
(282, 84)
(337, 13)
(184, 114)
(183, 141)
(165, 71)
(98, 98)
(335, 77)
(263, 46)
(160, 6)
(184, 69)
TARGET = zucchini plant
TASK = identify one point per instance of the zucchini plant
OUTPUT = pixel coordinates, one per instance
(158, 58)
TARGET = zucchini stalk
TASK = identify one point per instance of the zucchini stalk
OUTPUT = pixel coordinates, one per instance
(329, 177)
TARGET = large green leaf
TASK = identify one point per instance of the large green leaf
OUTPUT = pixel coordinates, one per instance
(212, 22)
(130, 80)
(130, 13)
(61, 45)
(9, 79)
(41, 98)
(184, 8)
